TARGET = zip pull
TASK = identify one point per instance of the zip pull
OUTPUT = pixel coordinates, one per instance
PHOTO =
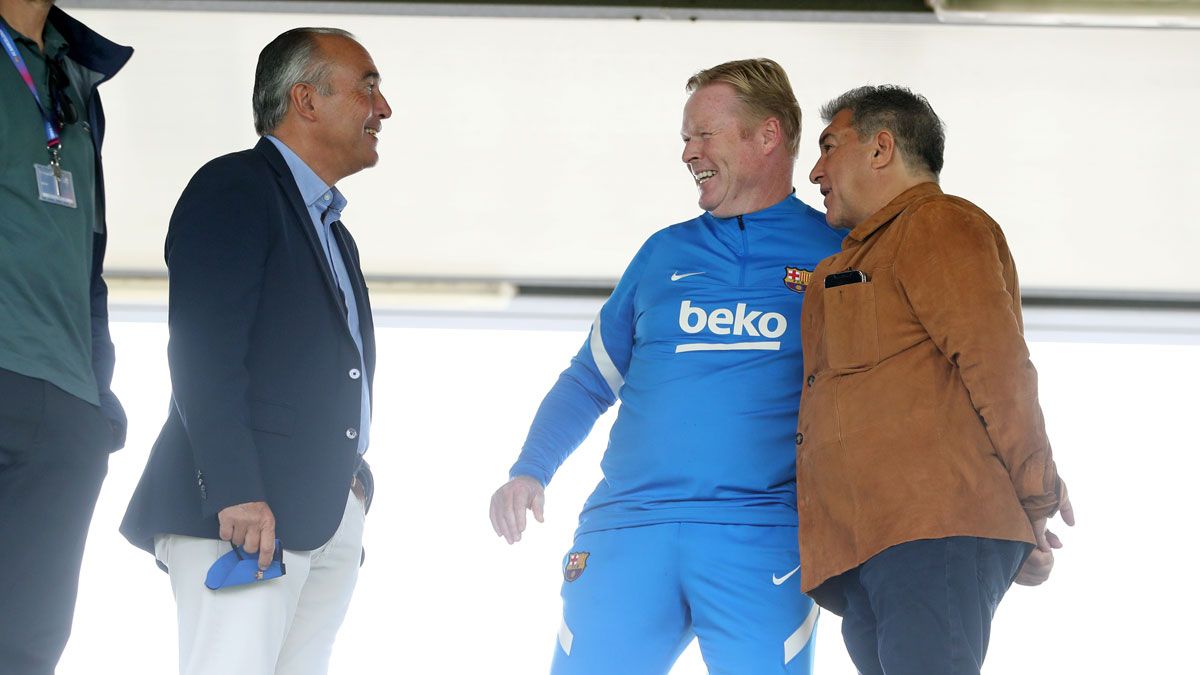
(741, 224)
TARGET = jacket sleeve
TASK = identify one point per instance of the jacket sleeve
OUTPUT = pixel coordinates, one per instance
(958, 275)
(216, 252)
(103, 354)
(589, 386)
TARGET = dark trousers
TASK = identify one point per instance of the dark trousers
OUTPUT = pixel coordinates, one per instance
(53, 457)
(925, 607)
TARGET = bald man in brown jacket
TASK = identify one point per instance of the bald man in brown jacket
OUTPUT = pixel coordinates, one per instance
(924, 474)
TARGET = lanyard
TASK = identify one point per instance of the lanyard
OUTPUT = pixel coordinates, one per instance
(53, 142)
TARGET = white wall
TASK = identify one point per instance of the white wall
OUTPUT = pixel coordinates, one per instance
(548, 148)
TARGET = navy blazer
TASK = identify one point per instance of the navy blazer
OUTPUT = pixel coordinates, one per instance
(266, 395)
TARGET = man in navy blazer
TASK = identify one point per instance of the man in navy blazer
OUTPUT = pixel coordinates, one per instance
(272, 357)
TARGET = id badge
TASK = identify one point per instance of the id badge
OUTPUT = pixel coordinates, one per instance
(56, 190)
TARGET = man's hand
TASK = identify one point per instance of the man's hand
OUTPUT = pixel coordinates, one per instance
(1037, 566)
(1065, 511)
(251, 526)
(510, 502)
(1039, 563)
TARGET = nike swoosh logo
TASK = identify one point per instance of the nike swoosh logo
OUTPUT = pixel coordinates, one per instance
(779, 580)
(677, 276)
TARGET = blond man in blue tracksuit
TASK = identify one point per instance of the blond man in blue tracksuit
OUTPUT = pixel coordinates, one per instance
(692, 532)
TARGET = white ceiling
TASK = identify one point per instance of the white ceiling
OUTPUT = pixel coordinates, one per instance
(548, 149)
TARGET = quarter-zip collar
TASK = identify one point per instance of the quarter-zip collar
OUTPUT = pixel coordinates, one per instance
(741, 230)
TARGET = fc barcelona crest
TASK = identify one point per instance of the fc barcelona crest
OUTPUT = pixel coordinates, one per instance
(797, 279)
(576, 563)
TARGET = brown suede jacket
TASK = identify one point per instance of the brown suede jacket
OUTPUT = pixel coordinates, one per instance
(919, 417)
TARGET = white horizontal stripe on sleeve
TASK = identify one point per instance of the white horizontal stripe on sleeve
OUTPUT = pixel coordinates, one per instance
(604, 362)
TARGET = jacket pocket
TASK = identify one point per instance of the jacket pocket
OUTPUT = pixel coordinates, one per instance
(273, 418)
(851, 330)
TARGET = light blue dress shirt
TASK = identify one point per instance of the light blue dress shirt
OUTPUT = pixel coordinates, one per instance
(325, 204)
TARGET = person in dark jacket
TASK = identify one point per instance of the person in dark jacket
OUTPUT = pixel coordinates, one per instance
(272, 357)
(58, 417)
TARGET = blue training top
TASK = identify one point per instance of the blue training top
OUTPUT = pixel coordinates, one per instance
(700, 340)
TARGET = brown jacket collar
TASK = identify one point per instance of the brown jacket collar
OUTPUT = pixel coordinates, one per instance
(894, 208)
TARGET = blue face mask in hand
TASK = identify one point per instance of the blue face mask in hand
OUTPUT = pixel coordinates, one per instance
(239, 567)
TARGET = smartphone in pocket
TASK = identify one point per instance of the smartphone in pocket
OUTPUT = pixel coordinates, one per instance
(844, 278)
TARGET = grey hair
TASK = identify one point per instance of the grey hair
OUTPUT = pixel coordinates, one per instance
(918, 130)
(288, 60)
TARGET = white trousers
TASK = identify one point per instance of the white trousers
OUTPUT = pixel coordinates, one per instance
(282, 626)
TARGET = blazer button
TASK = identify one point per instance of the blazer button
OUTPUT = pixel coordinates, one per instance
(799, 439)
(354, 374)
(810, 380)
(352, 433)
